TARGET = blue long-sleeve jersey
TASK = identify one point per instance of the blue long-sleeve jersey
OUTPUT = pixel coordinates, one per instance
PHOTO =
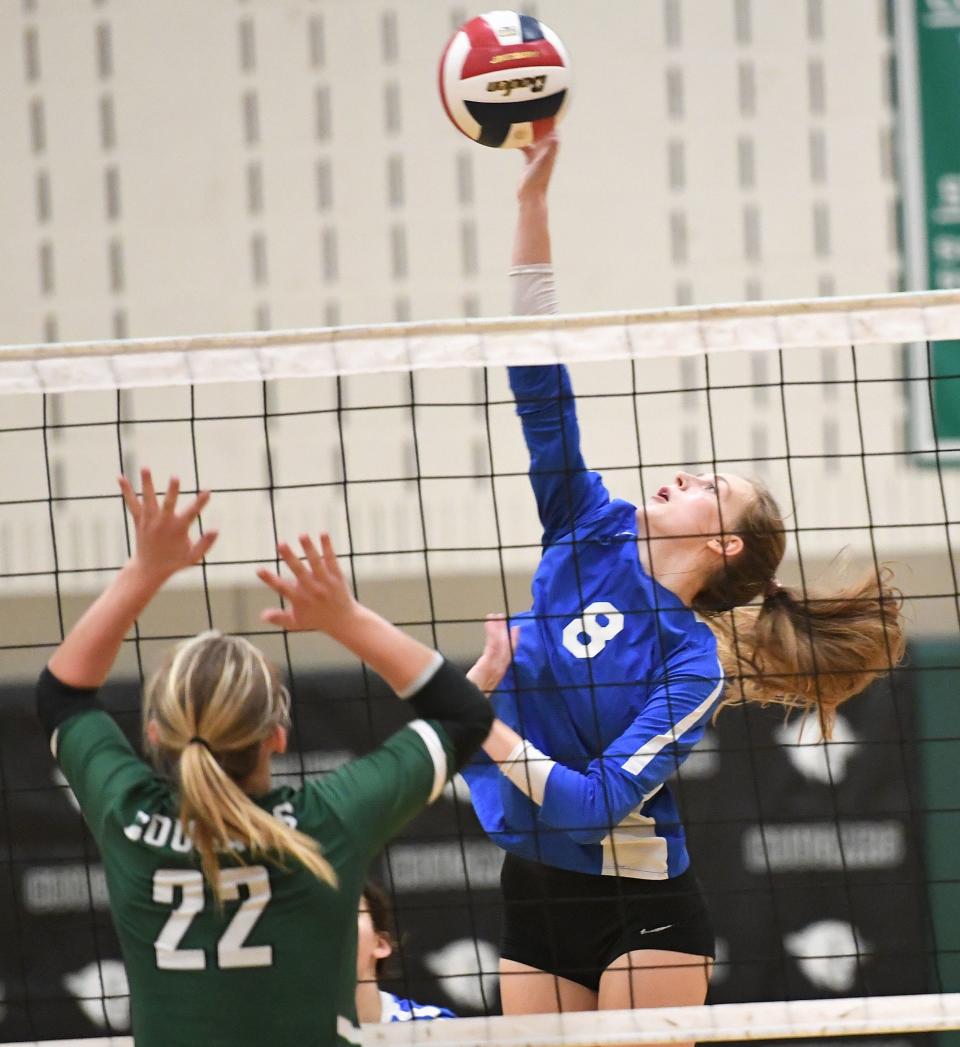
(612, 681)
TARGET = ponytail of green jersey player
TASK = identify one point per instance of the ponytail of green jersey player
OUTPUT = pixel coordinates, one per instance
(213, 715)
(235, 901)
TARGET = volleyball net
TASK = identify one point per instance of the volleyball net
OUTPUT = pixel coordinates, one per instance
(830, 868)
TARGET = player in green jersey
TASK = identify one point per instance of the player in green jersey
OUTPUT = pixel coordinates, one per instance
(236, 902)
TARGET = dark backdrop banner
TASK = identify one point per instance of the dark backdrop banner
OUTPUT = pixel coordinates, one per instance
(809, 856)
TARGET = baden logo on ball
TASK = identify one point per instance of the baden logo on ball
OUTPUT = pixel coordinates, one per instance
(505, 79)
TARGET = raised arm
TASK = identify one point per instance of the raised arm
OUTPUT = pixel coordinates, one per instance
(163, 547)
(531, 240)
(564, 489)
(319, 598)
(68, 686)
(376, 795)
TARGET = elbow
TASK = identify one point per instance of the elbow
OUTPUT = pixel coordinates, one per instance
(57, 701)
(585, 822)
(588, 836)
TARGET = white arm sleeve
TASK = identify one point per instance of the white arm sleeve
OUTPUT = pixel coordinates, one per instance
(532, 290)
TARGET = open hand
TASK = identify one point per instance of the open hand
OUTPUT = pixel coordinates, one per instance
(500, 643)
(163, 542)
(317, 596)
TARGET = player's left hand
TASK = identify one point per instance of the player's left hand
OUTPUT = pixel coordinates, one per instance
(498, 648)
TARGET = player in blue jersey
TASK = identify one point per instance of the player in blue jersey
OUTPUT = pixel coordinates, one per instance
(375, 946)
(235, 901)
(640, 629)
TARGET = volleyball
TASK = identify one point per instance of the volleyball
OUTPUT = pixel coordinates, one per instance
(504, 79)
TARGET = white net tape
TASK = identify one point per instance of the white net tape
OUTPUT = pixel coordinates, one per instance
(717, 1024)
(582, 338)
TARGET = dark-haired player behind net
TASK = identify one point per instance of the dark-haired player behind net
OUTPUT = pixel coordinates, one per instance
(235, 902)
(375, 946)
(641, 618)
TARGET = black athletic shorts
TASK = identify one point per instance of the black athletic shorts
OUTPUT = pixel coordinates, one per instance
(575, 925)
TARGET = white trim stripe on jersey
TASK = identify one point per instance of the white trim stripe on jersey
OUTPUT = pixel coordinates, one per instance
(654, 746)
(424, 678)
(55, 743)
(528, 769)
(438, 755)
(346, 1030)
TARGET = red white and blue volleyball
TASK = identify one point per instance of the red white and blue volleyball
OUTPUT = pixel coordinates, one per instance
(505, 79)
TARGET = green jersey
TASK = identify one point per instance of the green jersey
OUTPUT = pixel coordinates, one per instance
(277, 964)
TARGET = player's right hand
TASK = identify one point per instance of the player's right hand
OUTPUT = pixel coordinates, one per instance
(535, 180)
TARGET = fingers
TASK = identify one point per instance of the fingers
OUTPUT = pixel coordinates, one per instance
(495, 628)
(279, 585)
(312, 555)
(330, 557)
(130, 499)
(278, 617)
(292, 561)
(323, 562)
(321, 565)
(173, 492)
(501, 637)
(149, 494)
(202, 546)
(193, 510)
(170, 498)
(282, 617)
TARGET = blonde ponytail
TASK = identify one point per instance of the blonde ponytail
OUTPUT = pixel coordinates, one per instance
(812, 653)
(803, 650)
(213, 704)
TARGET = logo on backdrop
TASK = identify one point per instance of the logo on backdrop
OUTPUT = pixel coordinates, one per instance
(721, 962)
(808, 753)
(467, 970)
(457, 790)
(828, 953)
(704, 761)
(102, 992)
(799, 846)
